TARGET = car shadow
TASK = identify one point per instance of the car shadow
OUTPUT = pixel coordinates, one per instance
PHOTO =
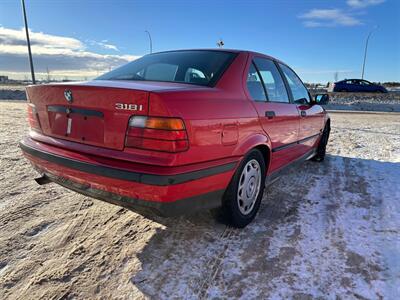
(200, 257)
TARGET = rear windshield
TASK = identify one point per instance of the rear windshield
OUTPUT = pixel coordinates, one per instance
(193, 67)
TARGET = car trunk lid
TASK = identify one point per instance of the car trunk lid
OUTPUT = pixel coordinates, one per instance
(90, 114)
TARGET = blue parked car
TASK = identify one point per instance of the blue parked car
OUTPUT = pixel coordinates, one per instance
(358, 85)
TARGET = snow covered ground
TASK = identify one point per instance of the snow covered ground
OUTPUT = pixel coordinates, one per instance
(324, 231)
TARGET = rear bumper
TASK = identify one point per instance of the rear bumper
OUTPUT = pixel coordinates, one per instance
(165, 209)
(165, 194)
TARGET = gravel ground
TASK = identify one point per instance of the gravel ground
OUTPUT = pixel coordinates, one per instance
(327, 231)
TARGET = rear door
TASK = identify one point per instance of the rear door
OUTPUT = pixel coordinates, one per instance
(279, 118)
(311, 116)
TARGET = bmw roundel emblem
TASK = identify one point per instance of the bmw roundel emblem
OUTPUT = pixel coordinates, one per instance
(68, 95)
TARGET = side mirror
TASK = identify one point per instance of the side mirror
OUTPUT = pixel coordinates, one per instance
(321, 99)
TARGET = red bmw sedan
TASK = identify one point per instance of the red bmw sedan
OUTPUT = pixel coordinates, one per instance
(177, 131)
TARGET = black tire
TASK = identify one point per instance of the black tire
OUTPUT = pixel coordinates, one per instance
(231, 209)
(321, 149)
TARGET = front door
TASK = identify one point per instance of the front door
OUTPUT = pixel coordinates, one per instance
(366, 86)
(311, 116)
(279, 118)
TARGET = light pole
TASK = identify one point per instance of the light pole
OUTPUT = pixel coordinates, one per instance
(28, 42)
(151, 42)
(365, 51)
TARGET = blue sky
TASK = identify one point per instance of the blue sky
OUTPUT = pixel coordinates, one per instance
(316, 38)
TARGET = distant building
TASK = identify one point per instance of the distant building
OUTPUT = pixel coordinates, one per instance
(331, 85)
(3, 79)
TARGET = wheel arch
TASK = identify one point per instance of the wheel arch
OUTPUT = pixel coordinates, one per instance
(259, 142)
(328, 122)
(266, 153)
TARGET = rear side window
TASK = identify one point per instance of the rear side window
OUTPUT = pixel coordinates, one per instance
(255, 85)
(299, 91)
(273, 82)
(193, 66)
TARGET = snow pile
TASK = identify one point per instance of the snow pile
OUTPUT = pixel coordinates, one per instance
(12, 93)
(389, 102)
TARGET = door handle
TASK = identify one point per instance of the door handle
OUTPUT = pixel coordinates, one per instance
(270, 114)
(303, 113)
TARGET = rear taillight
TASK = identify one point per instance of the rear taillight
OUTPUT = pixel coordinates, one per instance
(159, 134)
(33, 117)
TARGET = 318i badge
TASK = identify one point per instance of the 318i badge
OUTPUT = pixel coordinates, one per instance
(125, 106)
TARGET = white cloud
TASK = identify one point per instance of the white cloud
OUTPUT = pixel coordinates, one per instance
(110, 46)
(363, 3)
(328, 18)
(63, 56)
(104, 44)
(17, 37)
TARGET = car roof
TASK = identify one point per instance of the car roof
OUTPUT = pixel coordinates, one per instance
(253, 53)
(347, 79)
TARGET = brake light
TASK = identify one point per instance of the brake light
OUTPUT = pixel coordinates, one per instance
(33, 117)
(158, 134)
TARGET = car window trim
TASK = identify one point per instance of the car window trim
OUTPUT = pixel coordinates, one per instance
(262, 82)
(288, 90)
(301, 81)
(280, 73)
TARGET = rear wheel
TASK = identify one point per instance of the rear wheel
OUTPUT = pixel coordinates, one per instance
(321, 149)
(243, 196)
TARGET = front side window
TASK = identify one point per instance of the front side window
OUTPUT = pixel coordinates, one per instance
(273, 82)
(254, 85)
(365, 82)
(193, 66)
(299, 91)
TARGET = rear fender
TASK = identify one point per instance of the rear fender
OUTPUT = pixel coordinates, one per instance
(258, 140)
